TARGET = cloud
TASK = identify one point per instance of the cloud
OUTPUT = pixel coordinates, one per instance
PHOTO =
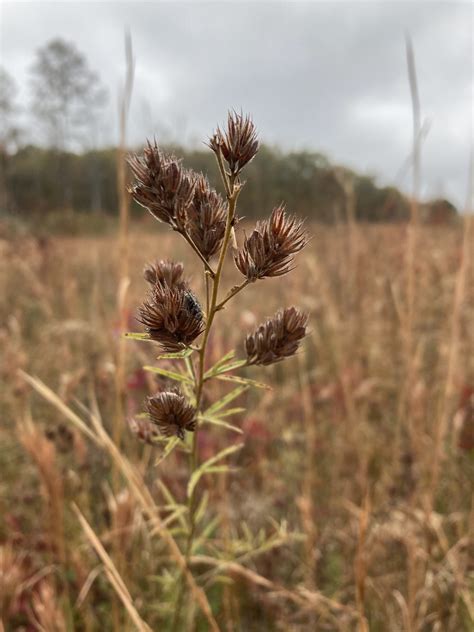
(324, 76)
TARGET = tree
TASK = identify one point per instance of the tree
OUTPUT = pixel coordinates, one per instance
(66, 94)
(8, 130)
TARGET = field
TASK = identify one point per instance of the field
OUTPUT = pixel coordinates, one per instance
(350, 506)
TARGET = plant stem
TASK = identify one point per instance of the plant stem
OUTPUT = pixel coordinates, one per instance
(232, 194)
(235, 290)
(205, 263)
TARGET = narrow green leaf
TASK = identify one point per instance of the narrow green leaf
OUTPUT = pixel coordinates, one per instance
(222, 403)
(171, 502)
(231, 411)
(218, 422)
(209, 464)
(172, 375)
(179, 355)
(169, 447)
(225, 368)
(131, 335)
(201, 510)
(225, 358)
(243, 380)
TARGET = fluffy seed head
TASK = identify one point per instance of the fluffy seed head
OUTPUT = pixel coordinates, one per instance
(206, 218)
(171, 413)
(277, 338)
(167, 272)
(162, 185)
(270, 249)
(238, 143)
(172, 316)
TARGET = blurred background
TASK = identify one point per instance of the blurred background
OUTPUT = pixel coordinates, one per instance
(350, 506)
(327, 84)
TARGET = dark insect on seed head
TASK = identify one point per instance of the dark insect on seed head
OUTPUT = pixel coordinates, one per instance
(192, 305)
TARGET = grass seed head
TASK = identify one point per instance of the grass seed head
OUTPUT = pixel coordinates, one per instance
(206, 218)
(238, 144)
(172, 316)
(171, 413)
(277, 338)
(162, 185)
(166, 272)
(271, 247)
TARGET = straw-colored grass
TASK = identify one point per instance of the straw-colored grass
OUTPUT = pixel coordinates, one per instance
(351, 507)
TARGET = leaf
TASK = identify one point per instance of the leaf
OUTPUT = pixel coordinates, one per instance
(169, 447)
(172, 375)
(222, 403)
(131, 335)
(243, 380)
(224, 369)
(208, 466)
(225, 358)
(218, 422)
(179, 355)
(232, 411)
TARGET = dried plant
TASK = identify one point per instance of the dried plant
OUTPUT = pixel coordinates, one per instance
(172, 315)
(165, 272)
(277, 338)
(170, 412)
(270, 249)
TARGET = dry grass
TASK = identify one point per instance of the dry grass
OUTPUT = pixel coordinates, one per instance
(352, 506)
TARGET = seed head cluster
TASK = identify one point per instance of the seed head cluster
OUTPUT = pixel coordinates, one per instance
(277, 338)
(206, 217)
(167, 272)
(171, 413)
(238, 144)
(162, 185)
(171, 313)
(172, 316)
(271, 247)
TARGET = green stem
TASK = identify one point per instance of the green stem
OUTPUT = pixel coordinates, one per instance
(232, 194)
(205, 263)
(235, 290)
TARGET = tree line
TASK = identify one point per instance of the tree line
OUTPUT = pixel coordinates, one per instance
(64, 168)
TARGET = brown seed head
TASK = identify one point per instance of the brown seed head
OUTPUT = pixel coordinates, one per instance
(206, 218)
(162, 185)
(171, 413)
(172, 316)
(238, 143)
(168, 273)
(277, 338)
(270, 249)
(143, 429)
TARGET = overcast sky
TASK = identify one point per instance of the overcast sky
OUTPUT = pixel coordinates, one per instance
(326, 76)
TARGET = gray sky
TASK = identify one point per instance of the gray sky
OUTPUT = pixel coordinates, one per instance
(328, 76)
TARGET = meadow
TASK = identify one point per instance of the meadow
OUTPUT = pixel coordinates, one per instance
(350, 504)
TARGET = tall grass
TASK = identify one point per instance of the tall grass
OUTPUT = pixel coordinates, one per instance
(334, 520)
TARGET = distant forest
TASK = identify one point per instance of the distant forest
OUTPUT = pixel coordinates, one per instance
(62, 173)
(36, 181)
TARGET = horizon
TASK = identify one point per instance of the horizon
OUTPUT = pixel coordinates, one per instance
(356, 110)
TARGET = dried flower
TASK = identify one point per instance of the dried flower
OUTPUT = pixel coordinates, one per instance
(270, 249)
(171, 412)
(238, 144)
(168, 273)
(143, 429)
(172, 316)
(206, 218)
(162, 186)
(277, 338)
